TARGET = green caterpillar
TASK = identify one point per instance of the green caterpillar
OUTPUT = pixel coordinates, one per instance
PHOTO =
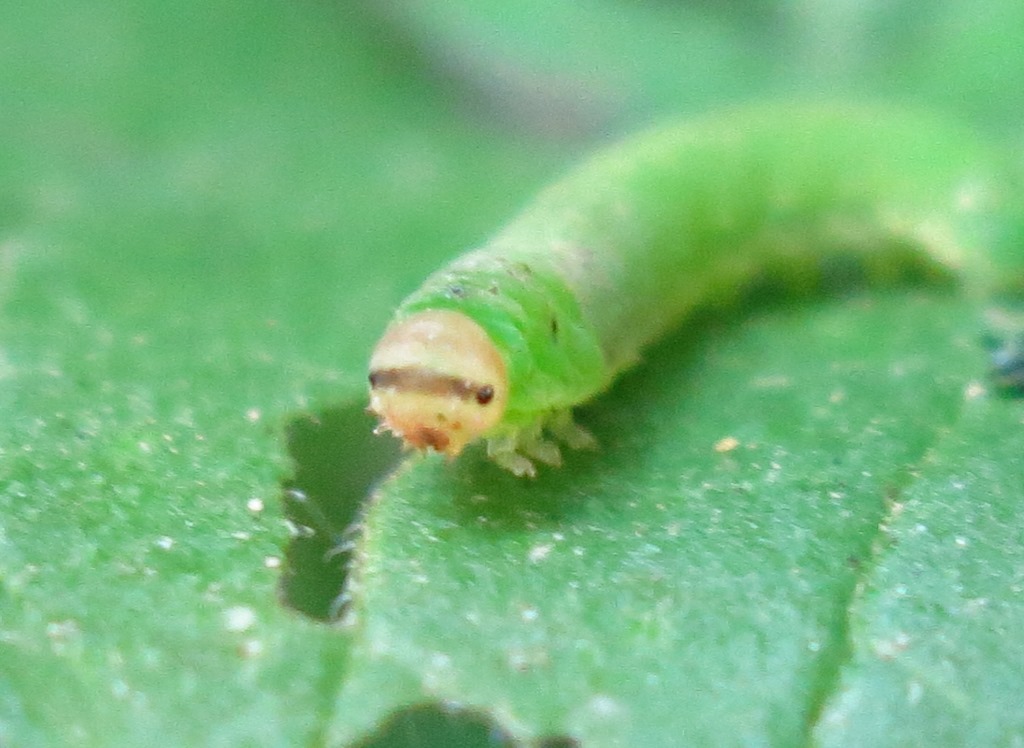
(506, 339)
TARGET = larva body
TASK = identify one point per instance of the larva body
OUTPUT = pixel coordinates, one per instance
(609, 258)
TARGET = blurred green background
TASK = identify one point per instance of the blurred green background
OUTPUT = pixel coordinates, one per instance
(207, 212)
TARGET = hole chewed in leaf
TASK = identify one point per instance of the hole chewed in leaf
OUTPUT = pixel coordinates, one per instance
(434, 725)
(338, 460)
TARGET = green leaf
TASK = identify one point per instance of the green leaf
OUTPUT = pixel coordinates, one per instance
(692, 581)
(938, 653)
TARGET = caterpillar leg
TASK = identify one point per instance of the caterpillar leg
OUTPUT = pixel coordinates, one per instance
(565, 429)
(517, 451)
(506, 452)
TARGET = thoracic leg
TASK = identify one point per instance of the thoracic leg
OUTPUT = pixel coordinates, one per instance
(564, 428)
(516, 451)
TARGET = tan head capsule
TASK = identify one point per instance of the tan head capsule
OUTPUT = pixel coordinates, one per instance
(437, 381)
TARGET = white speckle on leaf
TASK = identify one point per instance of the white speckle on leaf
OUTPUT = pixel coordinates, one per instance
(239, 618)
(605, 706)
(438, 672)
(522, 659)
(888, 649)
(727, 444)
(251, 648)
(64, 636)
(975, 604)
(961, 541)
(539, 552)
(164, 542)
(272, 562)
(253, 415)
(529, 614)
(62, 630)
(974, 390)
(254, 505)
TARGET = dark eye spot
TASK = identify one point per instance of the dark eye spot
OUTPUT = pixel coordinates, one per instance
(373, 379)
(485, 394)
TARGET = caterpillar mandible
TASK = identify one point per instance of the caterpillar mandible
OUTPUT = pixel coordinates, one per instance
(504, 341)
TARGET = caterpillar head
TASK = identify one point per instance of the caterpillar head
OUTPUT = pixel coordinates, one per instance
(437, 381)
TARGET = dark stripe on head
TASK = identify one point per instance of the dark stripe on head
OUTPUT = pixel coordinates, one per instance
(427, 382)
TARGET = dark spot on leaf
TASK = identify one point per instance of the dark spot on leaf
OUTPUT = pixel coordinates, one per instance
(429, 725)
(560, 741)
(457, 291)
(554, 327)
